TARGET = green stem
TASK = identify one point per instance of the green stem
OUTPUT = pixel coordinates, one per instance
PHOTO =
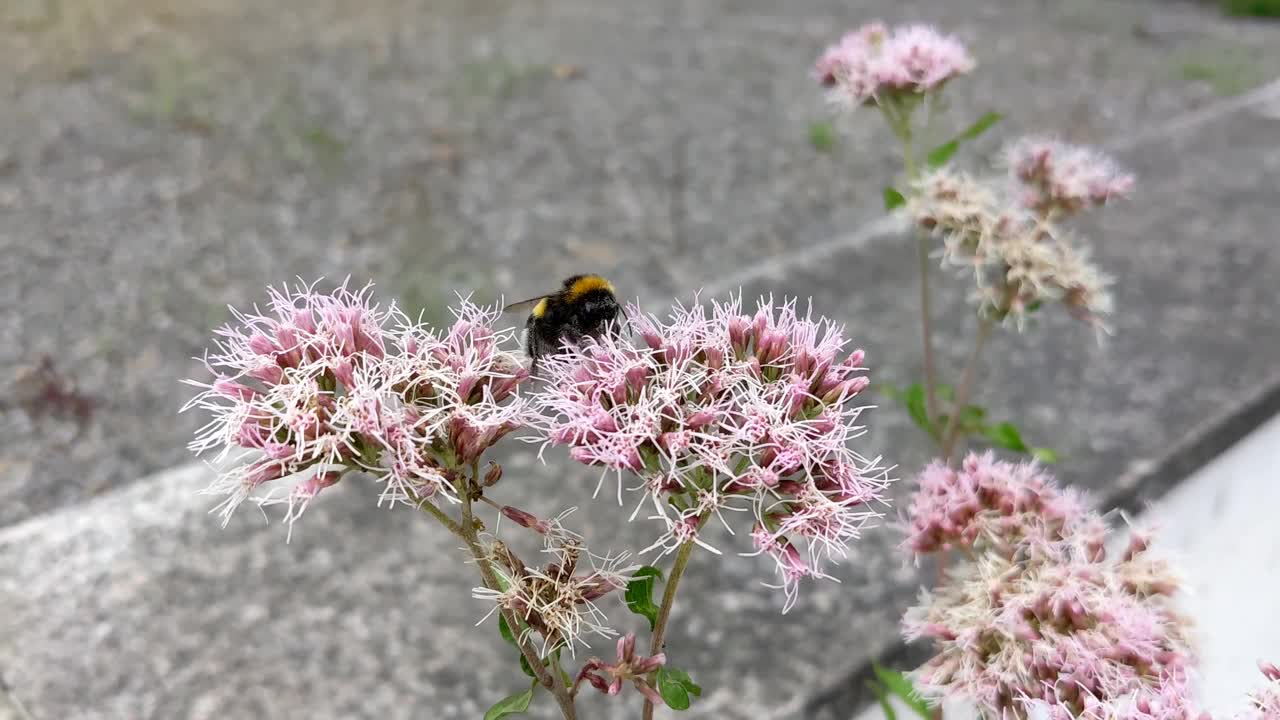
(552, 680)
(664, 611)
(930, 373)
(952, 433)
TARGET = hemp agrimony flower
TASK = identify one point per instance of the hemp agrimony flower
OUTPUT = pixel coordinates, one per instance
(875, 65)
(719, 412)
(1037, 615)
(321, 384)
(1019, 259)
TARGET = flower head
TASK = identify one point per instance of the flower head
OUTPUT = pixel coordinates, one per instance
(1063, 179)
(873, 64)
(322, 384)
(1265, 701)
(1019, 260)
(1040, 616)
(557, 601)
(987, 503)
(721, 412)
(608, 678)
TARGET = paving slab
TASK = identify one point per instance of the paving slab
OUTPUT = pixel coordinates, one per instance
(135, 605)
(160, 160)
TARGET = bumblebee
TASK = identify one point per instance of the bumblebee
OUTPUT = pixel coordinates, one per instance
(584, 306)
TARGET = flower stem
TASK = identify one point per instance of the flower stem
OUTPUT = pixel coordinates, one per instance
(952, 433)
(550, 679)
(930, 374)
(664, 611)
(432, 509)
(900, 121)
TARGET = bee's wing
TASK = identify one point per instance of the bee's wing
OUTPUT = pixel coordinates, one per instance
(524, 305)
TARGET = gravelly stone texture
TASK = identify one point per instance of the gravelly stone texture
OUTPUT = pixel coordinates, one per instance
(157, 164)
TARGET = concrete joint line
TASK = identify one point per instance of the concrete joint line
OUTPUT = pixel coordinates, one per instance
(890, 225)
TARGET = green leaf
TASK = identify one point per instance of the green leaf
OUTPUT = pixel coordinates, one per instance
(941, 154)
(972, 418)
(505, 630)
(898, 684)
(983, 124)
(1006, 435)
(822, 136)
(1047, 456)
(639, 595)
(526, 668)
(889, 712)
(1033, 306)
(511, 705)
(893, 199)
(675, 686)
(916, 407)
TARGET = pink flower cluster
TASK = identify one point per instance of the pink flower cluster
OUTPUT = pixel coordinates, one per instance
(725, 411)
(988, 503)
(1019, 260)
(1265, 702)
(608, 678)
(1038, 616)
(1064, 179)
(322, 384)
(872, 64)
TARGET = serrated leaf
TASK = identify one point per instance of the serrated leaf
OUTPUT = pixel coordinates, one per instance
(639, 594)
(1047, 456)
(505, 630)
(898, 684)
(675, 686)
(917, 409)
(883, 699)
(893, 199)
(511, 705)
(1006, 435)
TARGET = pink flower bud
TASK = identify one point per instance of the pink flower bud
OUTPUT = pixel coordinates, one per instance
(594, 587)
(644, 666)
(263, 345)
(520, 517)
(234, 390)
(699, 419)
(252, 434)
(303, 320)
(739, 333)
(269, 374)
(626, 648)
(636, 376)
(344, 371)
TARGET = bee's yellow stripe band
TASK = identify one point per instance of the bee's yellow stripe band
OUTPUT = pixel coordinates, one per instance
(586, 285)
